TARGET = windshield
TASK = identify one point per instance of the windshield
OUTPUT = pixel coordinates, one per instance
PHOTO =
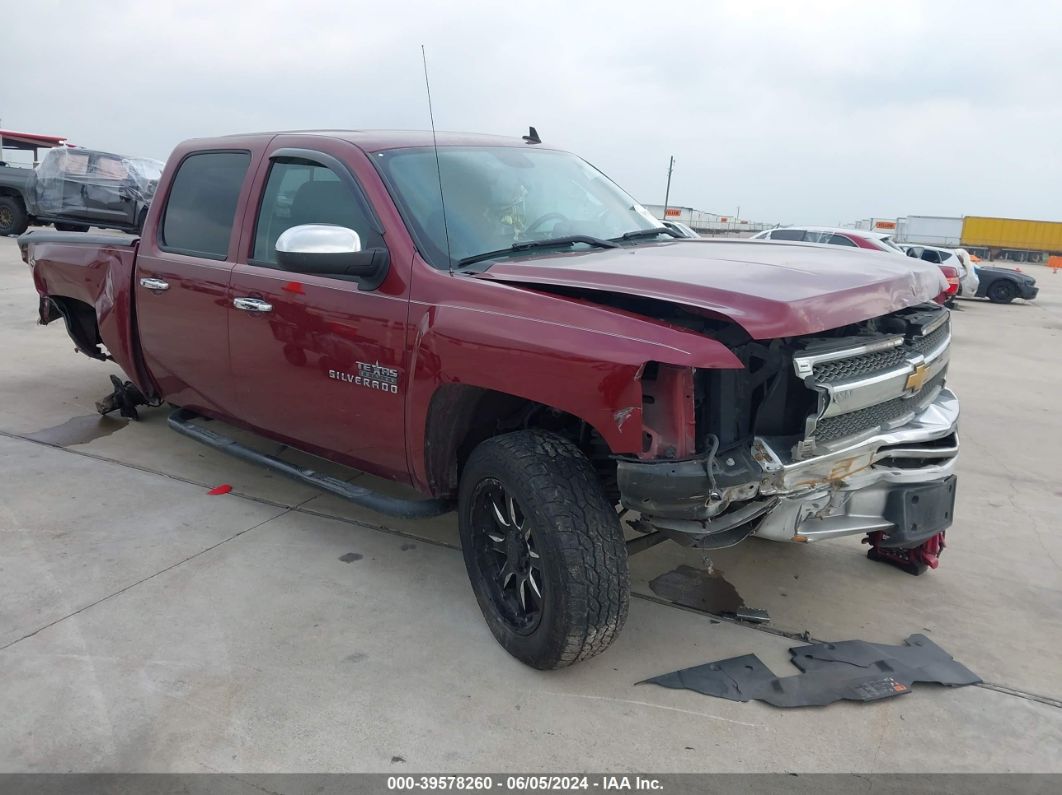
(497, 196)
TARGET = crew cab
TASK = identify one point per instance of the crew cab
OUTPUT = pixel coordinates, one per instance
(497, 324)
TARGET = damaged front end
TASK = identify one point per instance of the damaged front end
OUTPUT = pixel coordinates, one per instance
(847, 432)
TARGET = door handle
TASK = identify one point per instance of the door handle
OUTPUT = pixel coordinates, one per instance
(252, 305)
(155, 284)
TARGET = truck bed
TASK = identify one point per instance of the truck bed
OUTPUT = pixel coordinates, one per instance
(87, 280)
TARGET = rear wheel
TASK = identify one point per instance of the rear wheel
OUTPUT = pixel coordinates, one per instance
(544, 550)
(1002, 292)
(13, 218)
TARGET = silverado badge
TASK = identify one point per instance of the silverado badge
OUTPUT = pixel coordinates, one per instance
(370, 376)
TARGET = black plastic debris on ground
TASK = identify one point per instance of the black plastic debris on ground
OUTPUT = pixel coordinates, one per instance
(851, 670)
(706, 591)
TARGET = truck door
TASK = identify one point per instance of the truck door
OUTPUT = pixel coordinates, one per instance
(182, 280)
(317, 361)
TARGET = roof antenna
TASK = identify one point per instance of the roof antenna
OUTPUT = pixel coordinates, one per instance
(532, 136)
(438, 167)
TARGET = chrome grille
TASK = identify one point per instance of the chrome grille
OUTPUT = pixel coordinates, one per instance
(931, 341)
(877, 383)
(867, 364)
(843, 425)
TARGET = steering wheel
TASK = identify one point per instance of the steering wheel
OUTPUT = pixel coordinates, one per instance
(531, 227)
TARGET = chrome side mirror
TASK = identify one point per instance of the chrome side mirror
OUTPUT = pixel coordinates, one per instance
(318, 239)
(329, 250)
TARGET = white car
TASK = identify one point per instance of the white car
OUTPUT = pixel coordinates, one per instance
(833, 236)
(957, 257)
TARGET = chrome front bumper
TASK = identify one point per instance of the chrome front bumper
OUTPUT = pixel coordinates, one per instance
(844, 492)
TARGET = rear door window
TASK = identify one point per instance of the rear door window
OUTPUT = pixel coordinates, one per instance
(201, 207)
(110, 168)
(787, 234)
(74, 163)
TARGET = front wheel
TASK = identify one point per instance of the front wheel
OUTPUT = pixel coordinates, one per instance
(1002, 292)
(544, 549)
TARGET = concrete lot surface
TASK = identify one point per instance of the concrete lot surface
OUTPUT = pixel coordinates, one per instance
(148, 626)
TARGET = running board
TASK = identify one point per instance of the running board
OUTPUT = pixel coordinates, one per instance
(181, 421)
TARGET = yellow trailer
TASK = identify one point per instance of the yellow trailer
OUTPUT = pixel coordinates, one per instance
(1011, 234)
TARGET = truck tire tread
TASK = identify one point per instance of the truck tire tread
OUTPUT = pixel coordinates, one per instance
(585, 531)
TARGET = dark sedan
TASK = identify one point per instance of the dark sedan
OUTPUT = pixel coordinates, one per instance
(1003, 285)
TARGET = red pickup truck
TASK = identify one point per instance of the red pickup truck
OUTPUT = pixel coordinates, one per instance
(497, 324)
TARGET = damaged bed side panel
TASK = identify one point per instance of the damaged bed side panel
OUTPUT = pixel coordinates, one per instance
(97, 272)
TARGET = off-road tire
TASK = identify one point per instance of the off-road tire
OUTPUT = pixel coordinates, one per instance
(13, 218)
(1002, 292)
(577, 535)
(61, 227)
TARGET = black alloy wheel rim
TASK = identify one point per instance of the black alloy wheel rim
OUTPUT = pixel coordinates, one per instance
(1004, 290)
(505, 554)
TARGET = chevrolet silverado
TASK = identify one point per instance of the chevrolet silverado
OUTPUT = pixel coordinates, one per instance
(498, 325)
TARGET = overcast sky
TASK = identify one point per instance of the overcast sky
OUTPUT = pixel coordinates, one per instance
(807, 112)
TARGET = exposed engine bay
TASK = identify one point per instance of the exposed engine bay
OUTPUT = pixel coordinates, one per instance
(817, 437)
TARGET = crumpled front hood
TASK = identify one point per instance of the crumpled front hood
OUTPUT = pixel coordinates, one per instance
(771, 289)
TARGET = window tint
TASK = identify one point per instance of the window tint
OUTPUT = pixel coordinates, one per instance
(303, 192)
(840, 240)
(787, 234)
(931, 256)
(202, 203)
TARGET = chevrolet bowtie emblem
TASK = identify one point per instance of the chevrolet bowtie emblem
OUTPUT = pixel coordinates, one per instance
(917, 379)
